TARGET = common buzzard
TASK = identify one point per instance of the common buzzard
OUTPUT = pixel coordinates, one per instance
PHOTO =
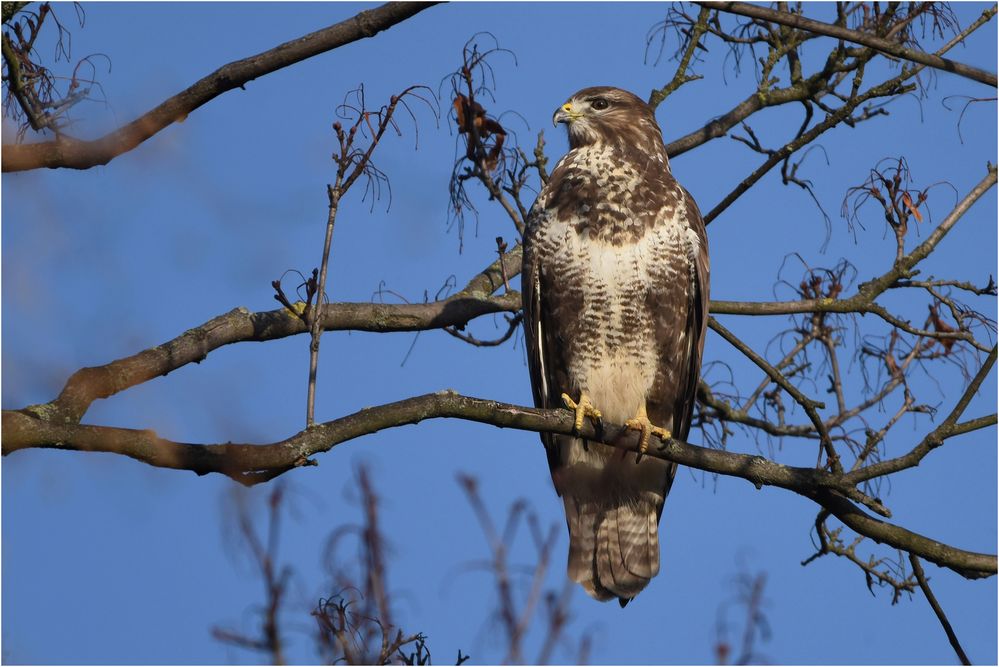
(615, 287)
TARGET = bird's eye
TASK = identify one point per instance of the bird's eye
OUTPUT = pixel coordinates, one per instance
(599, 104)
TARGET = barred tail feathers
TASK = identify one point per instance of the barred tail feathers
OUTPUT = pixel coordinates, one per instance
(613, 551)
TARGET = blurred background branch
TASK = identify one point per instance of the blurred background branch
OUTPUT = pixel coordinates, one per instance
(72, 153)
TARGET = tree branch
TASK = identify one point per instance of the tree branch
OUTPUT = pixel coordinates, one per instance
(889, 87)
(80, 154)
(681, 77)
(12, 8)
(802, 90)
(863, 38)
(947, 429)
(863, 302)
(877, 570)
(242, 325)
(967, 564)
(917, 569)
(251, 464)
(904, 266)
(806, 403)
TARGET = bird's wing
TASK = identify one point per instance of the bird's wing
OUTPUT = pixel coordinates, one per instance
(537, 341)
(697, 321)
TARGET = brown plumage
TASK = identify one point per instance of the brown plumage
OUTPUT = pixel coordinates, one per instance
(615, 287)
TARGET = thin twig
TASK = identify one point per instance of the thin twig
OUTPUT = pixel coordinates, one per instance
(917, 569)
(316, 323)
(806, 403)
(947, 429)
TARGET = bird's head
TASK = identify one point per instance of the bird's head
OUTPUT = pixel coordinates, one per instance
(603, 114)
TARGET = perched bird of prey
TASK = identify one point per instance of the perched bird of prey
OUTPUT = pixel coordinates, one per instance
(615, 288)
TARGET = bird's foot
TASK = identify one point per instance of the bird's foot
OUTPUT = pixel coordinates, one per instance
(641, 423)
(582, 409)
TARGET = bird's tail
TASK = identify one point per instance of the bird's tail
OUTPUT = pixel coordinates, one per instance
(613, 549)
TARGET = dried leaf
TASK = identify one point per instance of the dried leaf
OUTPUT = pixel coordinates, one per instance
(907, 200)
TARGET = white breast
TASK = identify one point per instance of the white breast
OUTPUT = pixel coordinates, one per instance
(617, 361)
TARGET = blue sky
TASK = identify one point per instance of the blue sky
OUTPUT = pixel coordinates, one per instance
(106, 560)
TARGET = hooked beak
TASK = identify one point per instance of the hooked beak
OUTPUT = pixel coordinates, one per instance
(565, 114)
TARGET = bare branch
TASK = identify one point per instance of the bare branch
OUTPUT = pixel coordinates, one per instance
(866, 39)
(512, 324)
(12, 8)
(903, 268)
(264, 550)
(251, 464)
(879, 571)
(355, 624)
(681, 77)
(824, 81)
(947, 429)
(81, 154)
(863, 301)
(832, 458)
(917, 569)
(890, 87)
(352, 163)
(241, 325)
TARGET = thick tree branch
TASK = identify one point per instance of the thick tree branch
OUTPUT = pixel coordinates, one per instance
(866, 39)
(858, 304)
(251, 464)
(79, 154)
(241, 325)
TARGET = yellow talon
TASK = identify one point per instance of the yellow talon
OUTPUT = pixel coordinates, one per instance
(582, 409)
(641, 423)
